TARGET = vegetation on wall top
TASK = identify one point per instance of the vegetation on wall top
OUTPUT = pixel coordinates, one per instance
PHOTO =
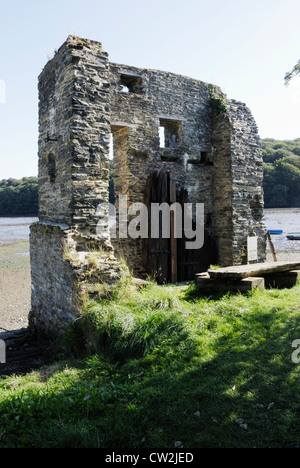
(218, 100)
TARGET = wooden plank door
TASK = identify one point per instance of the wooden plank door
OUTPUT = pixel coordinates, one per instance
(156, 251)
(193, 261)
(168, 260)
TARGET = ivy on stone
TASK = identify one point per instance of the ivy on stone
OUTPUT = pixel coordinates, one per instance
(218, 102)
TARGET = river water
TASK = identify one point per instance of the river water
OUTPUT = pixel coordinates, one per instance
(17, 229)
(288, 220)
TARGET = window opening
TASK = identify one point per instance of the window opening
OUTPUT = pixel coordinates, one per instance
(162, 137)
(131, 84)
(206, 158)
(170, 133)
(111, 186)
(111, 147)
(51, 167)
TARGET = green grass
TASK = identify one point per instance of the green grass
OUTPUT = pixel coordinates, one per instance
(170, 366)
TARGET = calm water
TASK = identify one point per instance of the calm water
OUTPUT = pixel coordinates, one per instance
(17, 229)
(287, 220)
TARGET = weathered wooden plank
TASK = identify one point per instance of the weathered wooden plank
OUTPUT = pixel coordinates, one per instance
(256, 269)
(181, 250)
(153, 244)
(145, 242)
(172, 189)
(163, 257)
(272, 247)
(158, 249)
(207, 285)
(285, 279)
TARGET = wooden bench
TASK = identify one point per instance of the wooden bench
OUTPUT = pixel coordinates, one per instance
(249, 277)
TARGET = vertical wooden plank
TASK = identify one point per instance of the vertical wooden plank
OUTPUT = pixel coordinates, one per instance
(272, 247)
(153, 243)
(181, 251)
(172, 191)
(160, 276)
(145, 242)
(164, 243)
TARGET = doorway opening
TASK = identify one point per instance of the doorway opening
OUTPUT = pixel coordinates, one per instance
(166, 258)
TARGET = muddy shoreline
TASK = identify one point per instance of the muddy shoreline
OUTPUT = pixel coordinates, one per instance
(23, 352)
(15, 286)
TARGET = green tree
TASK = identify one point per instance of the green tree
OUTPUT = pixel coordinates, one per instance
(281, 173)
(19, 197)
(291, 74)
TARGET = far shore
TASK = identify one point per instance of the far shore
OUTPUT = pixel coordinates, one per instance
(34, 215)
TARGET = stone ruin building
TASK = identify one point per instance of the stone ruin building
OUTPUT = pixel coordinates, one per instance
(174, 138)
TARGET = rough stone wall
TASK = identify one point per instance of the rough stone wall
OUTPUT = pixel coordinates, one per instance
(215, 156)
(165, 99)
(223, 192)
(84, 98)
(238, 179)
(65, 266)
(53, 280)
(247, 181)
(74, 135)
(182, 106)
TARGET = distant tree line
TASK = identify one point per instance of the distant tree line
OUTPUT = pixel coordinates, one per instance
(281, 181)
(19, 197)
(281, 173)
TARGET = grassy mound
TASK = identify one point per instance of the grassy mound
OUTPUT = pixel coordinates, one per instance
(171, 369)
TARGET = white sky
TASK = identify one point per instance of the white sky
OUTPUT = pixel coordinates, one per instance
(243, 46)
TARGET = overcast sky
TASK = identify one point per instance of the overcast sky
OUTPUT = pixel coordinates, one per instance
(243, 46)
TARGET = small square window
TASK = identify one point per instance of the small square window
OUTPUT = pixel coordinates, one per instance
(170, 133)
(131, 84)
(51, 167)
(206, 158)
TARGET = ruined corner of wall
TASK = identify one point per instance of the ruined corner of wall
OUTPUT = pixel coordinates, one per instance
(66, 274)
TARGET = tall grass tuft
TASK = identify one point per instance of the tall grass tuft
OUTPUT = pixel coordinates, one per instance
(125, 321)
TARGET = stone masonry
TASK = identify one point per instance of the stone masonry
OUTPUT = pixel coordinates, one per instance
(214, 154)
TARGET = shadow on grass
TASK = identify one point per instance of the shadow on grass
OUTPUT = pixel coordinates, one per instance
(239, 390)
(233, 387)
(245, 396)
